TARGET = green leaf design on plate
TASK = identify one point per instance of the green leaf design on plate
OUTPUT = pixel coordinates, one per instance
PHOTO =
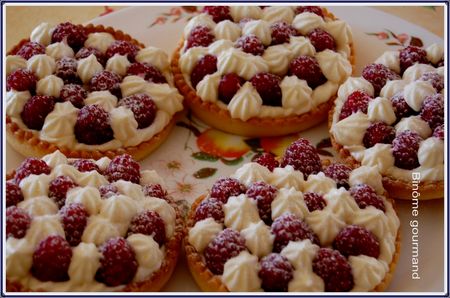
(204, 173)
(204, 156)
(232, 162)
(433, 8)
(415, 41)
(392, 33)
(393, 44)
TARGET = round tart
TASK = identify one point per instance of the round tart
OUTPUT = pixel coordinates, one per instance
(88, 91)
(392, 119)
(262, 71)
(300, 227)
(83, 225)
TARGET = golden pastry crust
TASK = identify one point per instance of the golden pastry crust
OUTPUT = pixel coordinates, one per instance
(219, 118)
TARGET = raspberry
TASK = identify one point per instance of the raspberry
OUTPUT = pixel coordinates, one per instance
(411, 55)
(17, 222)
(264, 194)
(268, 160)
(268, 87)
(13, 194)
(275, 273)
(339, 173)
(92, 126)
(354, 241)
(433, 110)
(334, 269)
(205, 66)
(106, 81)
(85, 165)
(378, 75)
(365, 195)
(378, 132)
(107, 191)
(200, 36)
(404, 148)
(356, 101)
(218, 13)
(146, 71)
(250, 44)
(123, 167)
(312, 9)
(143, 108)
(303, 157)
(58, 188)
(73, 93)
(229, 86)
(118, 263)
(155, 190)
(227, 244)
(31, 166)
(21, 80)
(30, 49)
(123, 48)
(86, 52)
(224, 188)
(282, 32)
(439, 132)
(211, 207)
(36, 109)
(74, 35)
(148, 223)
(308, 69)
(74, 219)
(401, 107)
(314, 201)
(66, 69)
(288, 227)
(322, 40)
(434, 79)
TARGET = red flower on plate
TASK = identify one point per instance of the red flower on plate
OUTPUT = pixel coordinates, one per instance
(221, 144)
(107, 10)
(277, 145)
(403, 37)
(382, 35)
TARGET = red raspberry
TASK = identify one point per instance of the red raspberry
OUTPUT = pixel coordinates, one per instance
(21, 80)
(36, 109)
(434, 79)
(365, 195)
(264, 194)
(339, 173)
(13, 194)
(106, 81)
(75, 94)
(224, 188)
(107, 191)
(355, 240)
(200, 36)
(30, 49)
(268, 87)
(123, 167)
(146, 71)
(314, 201)
(275, 273)
(227, 244)
(58, 188)
(17, 222)
(143, 108)
(250, 44)
(356, 101)
(229, 86)
(439, 132)
(155, 190)
(74, 219)
(31, 166)
(282, 32)
(288, 227)
(312, 9)
(66, 69)
(92, 126)
(268, 160)
(122, 47)
(404, 148)
(308, 69)
(334, 269)
(205, 66)
(218, 13)
(378, 132)
(211, 207)
(401, 107)
(411, 55)
(148, 223)
(86, 52)
(85, 165)
(378, 75)
(75, 35)
(118, 263)
(322, 40)
(433, 110)
(303, 157)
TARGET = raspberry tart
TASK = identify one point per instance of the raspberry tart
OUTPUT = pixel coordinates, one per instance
(81, 225)
(88, 91)
(262, 71)
(392, 119)
(301, 227)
